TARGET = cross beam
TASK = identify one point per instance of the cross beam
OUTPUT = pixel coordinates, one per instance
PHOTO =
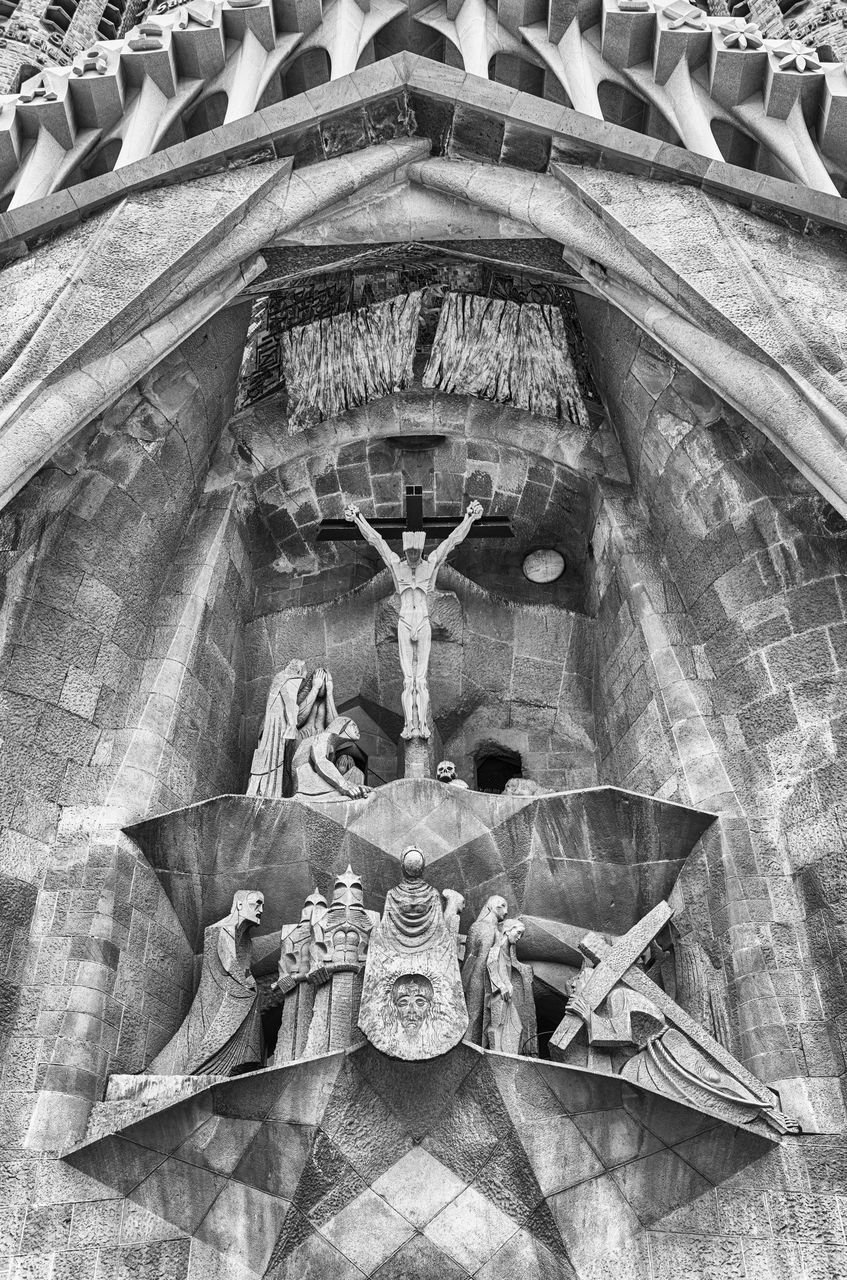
(392, 528)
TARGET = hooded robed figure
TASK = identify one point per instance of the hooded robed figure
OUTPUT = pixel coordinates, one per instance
(482, 935)
(412, 1004)
(296, 708)
(222, 1033)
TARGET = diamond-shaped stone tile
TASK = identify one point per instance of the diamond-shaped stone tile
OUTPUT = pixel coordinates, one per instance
(418, 1186)
(419, 1259)
(314, 1259)
(223, 1226)
(367, 1231)
(470, 1229)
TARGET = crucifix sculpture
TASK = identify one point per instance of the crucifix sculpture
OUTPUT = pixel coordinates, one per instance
(414, 576)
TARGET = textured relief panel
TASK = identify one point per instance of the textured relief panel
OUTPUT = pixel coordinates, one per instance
(517, 354)
(345, 360)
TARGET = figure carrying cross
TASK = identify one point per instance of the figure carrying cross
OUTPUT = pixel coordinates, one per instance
(414, 576)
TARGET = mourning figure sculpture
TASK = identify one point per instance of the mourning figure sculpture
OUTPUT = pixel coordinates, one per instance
(349, 770)
(222, 1034)
(412, 1003)
(315, 775)
(509, 1016)
(485, 931)
(414, 576)
(296, 708)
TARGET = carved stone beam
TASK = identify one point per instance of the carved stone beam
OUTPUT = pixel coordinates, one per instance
(613, 962)
(599, 950)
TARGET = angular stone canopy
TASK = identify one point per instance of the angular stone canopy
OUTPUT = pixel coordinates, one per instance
(599, 859)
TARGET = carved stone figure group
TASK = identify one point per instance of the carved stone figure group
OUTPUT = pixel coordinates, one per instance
(302, 741)
(344, 971)
(498, 986)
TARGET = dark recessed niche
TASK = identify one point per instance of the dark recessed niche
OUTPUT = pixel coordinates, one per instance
(413, 443)
(494, 767)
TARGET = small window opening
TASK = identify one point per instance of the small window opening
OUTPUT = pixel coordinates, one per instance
(494, 768)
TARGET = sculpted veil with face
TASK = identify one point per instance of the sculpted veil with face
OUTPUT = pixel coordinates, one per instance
(412, 997)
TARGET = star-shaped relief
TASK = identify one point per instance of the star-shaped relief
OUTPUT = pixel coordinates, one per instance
(793, 55)
(738, 34)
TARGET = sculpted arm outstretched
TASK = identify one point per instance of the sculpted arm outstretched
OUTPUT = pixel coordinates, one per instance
(369, 533)
(442, 551)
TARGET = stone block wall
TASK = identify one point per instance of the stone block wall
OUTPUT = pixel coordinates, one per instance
(738, 587)
(96, 565)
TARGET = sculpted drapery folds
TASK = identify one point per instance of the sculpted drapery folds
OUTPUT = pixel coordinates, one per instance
(297, 708)
(222, 1033)
(482, 935)
(315, 774)
(412, 1004)
(510, 1008)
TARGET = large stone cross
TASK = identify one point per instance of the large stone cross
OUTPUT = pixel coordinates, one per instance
(414, 576)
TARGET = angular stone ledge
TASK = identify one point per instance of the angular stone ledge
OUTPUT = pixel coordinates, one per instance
(598, 858)
(566, 1163)
(293, 128)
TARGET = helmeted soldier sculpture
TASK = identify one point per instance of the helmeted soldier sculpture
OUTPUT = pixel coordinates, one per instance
(414, 576)
(222, 1034)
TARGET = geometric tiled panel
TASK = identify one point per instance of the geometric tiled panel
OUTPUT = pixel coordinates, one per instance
(472, 1164)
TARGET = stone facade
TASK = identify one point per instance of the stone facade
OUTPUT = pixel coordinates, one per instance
(670, 708)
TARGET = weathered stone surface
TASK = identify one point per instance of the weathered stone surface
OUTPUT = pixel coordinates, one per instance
(621, 850)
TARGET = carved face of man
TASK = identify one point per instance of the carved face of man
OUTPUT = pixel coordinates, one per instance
(413, 545)
(514, 930)
(446, 771)
(344, 729)
(412, 1000)
(251, 907)
(498, 907)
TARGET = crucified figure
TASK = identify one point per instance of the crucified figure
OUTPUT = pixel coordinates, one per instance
(414, 577)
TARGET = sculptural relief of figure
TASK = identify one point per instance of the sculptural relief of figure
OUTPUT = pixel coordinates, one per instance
(302, 945)
(296, 708)
(412, 1003)
(315, 774)
(482, 935)
(349, 770)
(222, 1033)
(666, 1060)
(623, 1018)
(414, 576)
(509, 1021)
(412, 997)
(699, 986)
